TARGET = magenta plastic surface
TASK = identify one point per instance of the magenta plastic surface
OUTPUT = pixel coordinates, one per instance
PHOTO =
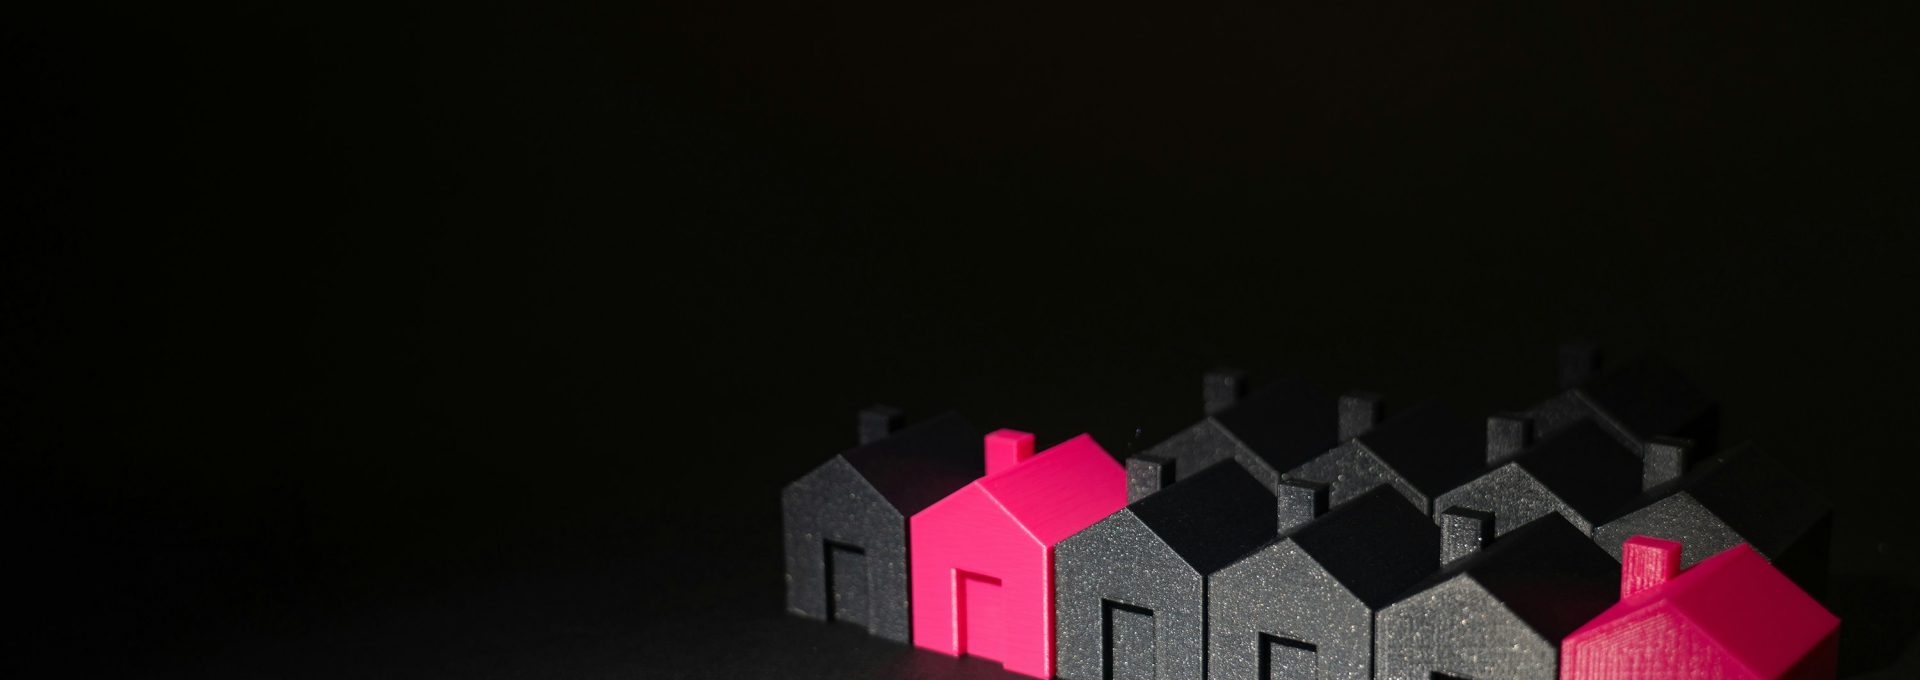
(983, 557)
(1733, 616)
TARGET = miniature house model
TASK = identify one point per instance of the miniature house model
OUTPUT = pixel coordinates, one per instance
(1148, 619)
(1731, 617)
(846, 520)
(1426, 451)
(1303, 606)
(983, 579)
(1581, 472)
(1275, 429)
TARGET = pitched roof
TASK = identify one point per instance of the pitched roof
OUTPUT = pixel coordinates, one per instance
(921, 464)
(1648, 396)
(1060, 490)
(1211, 518)
(1750, 608)
(1588, 469)
(1432, 446)
(1285, 423)
(1375, 545)
(1551, 576)
(1752, 493)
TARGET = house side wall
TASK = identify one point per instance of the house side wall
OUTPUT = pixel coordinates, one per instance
(1280, 591)
(1513, 496)
(1456, 628)
(834, 503)
(1120, 560)
(1198, 447)
(969, 532)
(1653, 641)
(1350, 471)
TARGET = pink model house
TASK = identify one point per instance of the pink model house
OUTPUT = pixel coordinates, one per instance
(1730, 617)
(983, 556)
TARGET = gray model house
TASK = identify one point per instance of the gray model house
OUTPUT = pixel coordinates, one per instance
(1275, 429)
(1426, 451)
(1302, 607)
(1635, 401)
(846, 520)
(1581, 472)
(1131, 590)
(1741, 496)
(1498, 612)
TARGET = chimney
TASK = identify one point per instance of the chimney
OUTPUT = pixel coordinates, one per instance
(1578, 362)
(1006, 448)
(1220, 388)
(1462, 533)
(876, 422)
(1647, 562)
(1299, 502)
(1507, 435)
(1147, 473)
(1664, 460)
(1359, 412)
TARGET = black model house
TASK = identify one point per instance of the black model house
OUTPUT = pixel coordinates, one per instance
(1131, 590)
(1303, 606)
(1636, 401)
(1581, 472)
(1275, 429)
(1498, 612)
(1426, 451)
(1741, 496)
(846, 521)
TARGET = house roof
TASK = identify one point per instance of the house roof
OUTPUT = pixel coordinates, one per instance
(1726, 594)
(1285, 423)
(1551, 576)
(1059, 491)
(1588, 469)
(1755, 495)
(1432, 446)
(1211, 518)
(921, 464)
(1755, 613)
(1647, 395)
(1375, 545)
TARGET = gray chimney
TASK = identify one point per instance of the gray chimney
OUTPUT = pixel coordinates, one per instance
(1359, 412)
(1221, 388)
(1664, 460)
(1507, 435)
(1147, 473)
(876, 422)
(1462, 533)
(1299, 502)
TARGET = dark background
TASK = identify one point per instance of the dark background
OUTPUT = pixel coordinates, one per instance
(476, 341)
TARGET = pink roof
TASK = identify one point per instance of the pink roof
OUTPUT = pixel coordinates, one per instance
(1754, 614)
(1061, 490)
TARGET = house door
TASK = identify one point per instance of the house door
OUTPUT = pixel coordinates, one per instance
(1128, 647)
(981, 615)
(847, 593)
(1288, 659)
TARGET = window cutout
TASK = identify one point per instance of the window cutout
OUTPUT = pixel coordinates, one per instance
(847, 593)
(1288, 659)
(979, 614)
(1127, 641)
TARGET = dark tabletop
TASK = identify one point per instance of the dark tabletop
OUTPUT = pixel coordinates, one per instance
(477, 341)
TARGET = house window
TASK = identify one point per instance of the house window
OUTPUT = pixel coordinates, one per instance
(1127, 645)
(847, 590)
(1283, 658)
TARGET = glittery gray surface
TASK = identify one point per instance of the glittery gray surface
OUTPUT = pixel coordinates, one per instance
(1119, 560)
(834, 503)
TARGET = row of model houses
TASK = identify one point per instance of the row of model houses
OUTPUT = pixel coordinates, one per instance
(1294, 534)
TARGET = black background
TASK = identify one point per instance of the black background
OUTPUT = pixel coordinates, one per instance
(476, 341)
